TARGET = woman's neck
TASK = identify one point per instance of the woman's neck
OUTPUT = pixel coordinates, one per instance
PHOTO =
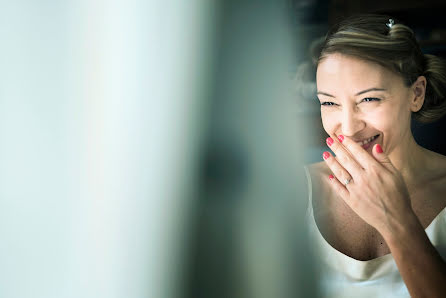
(409, 159)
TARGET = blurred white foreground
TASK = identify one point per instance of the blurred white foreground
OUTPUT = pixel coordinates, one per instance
(106, 108)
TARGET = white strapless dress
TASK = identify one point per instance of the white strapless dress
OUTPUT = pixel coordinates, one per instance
(343, 276)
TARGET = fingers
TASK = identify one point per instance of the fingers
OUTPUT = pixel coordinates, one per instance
(382, 157)
(337, 169)
(339, 188)
(362, 157)
(344, 157)
(354, 158)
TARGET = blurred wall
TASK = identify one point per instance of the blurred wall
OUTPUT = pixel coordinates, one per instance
(101, 110)
(150, 149)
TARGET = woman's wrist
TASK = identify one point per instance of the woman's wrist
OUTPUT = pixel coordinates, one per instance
(397, 231)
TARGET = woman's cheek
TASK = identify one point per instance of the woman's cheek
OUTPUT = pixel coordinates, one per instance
(381, 121)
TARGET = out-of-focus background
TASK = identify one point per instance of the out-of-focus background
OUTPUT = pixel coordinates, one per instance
(150, 149)
(155, 148)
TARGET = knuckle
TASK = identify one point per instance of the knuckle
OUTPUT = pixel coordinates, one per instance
(335, 146)
(344, 176)
(360, 179)
(347, 159)
(374, 169)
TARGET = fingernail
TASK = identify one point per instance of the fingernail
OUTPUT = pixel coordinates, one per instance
(326, 155)
(340, 138)
(379, 149)
(329, 141)
(331, 177)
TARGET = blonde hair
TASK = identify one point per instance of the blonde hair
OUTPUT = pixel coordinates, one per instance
(394, 47)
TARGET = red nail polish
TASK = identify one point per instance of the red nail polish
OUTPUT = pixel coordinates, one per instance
(379, 149)
(326, 155)
(329, 141)
(331, 177)
(340, 138)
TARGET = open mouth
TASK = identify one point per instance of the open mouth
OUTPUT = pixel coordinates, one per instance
(368, 142)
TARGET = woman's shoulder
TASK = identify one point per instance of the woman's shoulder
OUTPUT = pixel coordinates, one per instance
(433, 180)
(319, 173)
(318, 169)
(436, 156)
(436, 163)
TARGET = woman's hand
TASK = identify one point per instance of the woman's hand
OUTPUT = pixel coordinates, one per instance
(370, 185)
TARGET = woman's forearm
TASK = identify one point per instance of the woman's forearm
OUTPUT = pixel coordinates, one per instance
(420, 265)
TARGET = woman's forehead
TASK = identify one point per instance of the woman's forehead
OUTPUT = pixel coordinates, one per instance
(337, 70)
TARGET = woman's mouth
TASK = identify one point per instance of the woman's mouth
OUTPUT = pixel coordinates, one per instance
(367, 143)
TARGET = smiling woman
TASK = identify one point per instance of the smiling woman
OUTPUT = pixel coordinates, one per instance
(365, 100)
(377, 208)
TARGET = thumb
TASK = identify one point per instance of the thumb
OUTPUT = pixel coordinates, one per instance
(382, 157)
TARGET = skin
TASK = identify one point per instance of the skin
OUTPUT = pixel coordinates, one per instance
(390, 186)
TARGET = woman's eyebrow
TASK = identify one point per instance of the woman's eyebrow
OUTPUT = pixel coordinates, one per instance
(323, 93)
(359, 93)
(370, 89)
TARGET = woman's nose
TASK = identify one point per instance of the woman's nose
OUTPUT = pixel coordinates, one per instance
(352, 122)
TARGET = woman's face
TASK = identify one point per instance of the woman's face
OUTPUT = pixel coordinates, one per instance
(364, 101)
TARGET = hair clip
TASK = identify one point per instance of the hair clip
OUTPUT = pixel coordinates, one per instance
(390, 23)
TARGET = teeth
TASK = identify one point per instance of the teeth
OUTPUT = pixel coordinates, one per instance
(367, 141)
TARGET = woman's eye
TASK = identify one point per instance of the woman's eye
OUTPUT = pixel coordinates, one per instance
(327, 103)
(368, 99)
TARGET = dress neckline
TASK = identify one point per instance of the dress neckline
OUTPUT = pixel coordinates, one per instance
(377, 259)
(322, 239)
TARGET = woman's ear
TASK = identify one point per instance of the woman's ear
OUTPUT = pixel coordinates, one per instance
(419, 91)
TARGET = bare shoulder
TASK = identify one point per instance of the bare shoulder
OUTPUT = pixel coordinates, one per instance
(438, 177)
(436, 165)
(437, 157)
(319, 170)
(322, 192)
(319, 175)
(433, 181)
(428, 195)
